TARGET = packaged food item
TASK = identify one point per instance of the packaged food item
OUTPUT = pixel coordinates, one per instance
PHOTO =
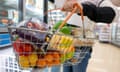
(77, 32)
(36, 23)
(32, 32)
(67, 56)
(61, 43)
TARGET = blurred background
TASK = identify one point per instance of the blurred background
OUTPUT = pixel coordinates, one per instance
(106, 50)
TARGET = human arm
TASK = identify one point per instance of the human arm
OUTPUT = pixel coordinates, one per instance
(94, 13)
(98, 14)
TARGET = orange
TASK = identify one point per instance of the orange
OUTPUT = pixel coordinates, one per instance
(41, 63)
(49, 58)
(56, 62)
(49, 64)
(56, 55)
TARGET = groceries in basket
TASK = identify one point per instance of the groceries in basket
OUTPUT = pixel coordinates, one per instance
(68, 29)
(39, 60)
(52, 58)
(65, 29)
(61, 43)
(40, 49)
(28, 56)
(22, 48)
(32, 32)
(36, 23)
(35, 47)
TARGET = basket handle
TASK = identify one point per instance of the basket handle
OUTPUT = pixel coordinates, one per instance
(76, 6)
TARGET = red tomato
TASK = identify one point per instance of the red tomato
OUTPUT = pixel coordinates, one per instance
(16, 44)
(22, 48)
(18, 47)
(27, 49)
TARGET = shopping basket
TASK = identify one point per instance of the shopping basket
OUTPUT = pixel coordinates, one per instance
(37, 46)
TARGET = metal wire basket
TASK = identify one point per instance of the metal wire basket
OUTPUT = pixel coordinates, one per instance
(36, 47)
(9, 64)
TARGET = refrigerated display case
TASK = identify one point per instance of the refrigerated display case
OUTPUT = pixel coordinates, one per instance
(7, 16)
(104, 34)
(116, 32)
(38, 8)
(34, 8)
(18, 10)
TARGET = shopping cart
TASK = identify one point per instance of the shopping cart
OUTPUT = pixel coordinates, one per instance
(37, 46)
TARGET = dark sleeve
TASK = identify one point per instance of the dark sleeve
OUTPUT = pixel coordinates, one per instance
(52, 1)
(98, 14)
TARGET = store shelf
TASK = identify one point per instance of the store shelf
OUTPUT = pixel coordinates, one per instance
(116, 34)
(4, 40)
(3, 30)
(104, 34)
(116, 43)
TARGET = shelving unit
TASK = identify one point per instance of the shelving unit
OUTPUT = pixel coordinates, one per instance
(117, 37)
(4, 36)
(116, 33)
(104, 34)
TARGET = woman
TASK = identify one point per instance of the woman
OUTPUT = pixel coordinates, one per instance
(97, 11)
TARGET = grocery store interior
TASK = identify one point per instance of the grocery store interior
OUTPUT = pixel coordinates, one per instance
(27, 36)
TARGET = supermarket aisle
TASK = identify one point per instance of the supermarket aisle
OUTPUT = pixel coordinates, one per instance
(105, 58)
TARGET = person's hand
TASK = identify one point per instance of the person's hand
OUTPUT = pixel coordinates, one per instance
(69, 5)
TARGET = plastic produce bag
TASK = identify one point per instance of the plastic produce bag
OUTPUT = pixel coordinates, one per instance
(31, 30)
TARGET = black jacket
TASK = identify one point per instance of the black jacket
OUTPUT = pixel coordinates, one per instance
(98, 14)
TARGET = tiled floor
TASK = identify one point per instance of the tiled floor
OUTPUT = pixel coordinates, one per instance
(6, 51)
(105, 58)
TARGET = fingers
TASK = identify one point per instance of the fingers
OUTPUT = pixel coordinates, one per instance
(68, 5)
